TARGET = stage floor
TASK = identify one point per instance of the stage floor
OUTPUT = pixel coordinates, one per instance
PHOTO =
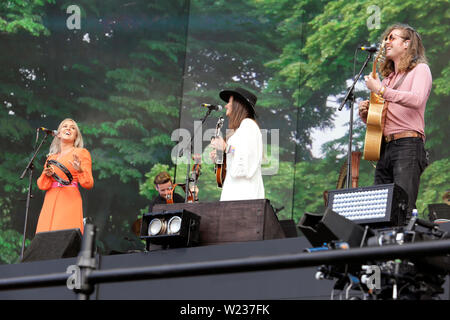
(277, 284)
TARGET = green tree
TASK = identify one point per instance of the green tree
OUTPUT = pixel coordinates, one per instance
(22, 15)
(119, 77)
(136, 71)
(331, 30)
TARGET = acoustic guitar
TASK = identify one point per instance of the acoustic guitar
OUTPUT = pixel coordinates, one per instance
(220, 163)
(374, 129)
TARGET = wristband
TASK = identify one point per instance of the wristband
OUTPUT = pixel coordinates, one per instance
(229, 149)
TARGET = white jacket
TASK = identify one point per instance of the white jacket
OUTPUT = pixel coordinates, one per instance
(243, 179)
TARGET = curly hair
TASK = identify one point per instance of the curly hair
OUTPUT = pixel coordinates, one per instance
(414, 55)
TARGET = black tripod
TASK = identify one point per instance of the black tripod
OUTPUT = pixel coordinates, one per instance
(29, 168)
(349, 96)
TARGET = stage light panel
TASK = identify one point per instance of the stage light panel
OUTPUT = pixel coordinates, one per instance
(380, 204)
(178, 228)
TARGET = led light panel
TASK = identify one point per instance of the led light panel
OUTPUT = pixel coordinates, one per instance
(381, 204)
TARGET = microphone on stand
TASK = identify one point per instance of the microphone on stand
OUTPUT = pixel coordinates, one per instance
(212, 107)
(48, 131)
(369, 49)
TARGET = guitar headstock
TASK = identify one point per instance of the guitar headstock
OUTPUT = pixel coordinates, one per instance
(381, 53)
(219, 123)
(219, 126)
(379, 57)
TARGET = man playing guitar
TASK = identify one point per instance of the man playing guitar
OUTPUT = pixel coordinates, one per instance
(405, 89)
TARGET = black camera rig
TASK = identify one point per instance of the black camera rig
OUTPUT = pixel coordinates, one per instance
(413, 278)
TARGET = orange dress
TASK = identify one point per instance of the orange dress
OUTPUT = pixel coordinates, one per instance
(63, 206)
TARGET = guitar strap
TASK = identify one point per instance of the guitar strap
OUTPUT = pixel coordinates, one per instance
(386, 103)
(400, 81)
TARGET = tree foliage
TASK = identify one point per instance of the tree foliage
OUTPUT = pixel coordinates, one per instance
(136, 71)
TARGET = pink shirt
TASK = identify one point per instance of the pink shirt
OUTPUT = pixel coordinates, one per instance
(407, 103)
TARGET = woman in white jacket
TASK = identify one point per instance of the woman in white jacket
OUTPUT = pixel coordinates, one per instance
(243, 148)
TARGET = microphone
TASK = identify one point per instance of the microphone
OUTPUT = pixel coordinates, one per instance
(212, 107)
(48, 131)
(369, 49)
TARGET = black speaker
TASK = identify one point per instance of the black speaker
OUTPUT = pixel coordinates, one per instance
(53, 245)
(330, 226)
(289, 228)
(438, 211)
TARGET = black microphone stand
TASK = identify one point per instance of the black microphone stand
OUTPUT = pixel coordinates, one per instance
(29, 168)
(189, 155)
(349, 96)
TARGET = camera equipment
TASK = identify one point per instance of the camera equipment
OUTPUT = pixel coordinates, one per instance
(417, 277)
(330, 227)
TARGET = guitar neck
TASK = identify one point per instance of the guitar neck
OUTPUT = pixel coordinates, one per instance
(374, 69)
(219, 156)
(219, 152)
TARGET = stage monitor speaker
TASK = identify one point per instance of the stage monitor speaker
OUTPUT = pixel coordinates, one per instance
(53, 245)
(438, 211)
(232, 221)
(328, 227)
(289, 228)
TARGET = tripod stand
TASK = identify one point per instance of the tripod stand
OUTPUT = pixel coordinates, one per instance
(29, 168)
(349, 96)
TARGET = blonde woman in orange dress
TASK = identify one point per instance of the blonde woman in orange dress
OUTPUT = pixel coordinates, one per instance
(63, 207)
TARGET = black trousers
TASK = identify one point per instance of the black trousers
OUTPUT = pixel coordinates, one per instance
(402, 162)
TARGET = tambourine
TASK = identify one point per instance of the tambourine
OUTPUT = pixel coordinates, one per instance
(63, 169)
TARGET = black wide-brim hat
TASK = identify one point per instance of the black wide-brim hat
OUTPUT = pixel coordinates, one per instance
(248, 98)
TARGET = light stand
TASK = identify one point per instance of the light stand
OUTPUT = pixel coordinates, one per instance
(349, 96)
(29, 168)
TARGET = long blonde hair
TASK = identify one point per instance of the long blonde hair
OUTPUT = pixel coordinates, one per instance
(414, 55)
(55, 147)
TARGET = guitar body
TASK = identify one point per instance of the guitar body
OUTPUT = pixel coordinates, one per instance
(220, 161)
(221, 172)
(375, 120)
(374, 130)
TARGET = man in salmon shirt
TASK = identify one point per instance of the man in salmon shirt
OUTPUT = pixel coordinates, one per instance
(405, 88)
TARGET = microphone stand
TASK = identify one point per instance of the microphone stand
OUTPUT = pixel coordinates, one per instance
(29, 168)
(349, 96)
(189, 155)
